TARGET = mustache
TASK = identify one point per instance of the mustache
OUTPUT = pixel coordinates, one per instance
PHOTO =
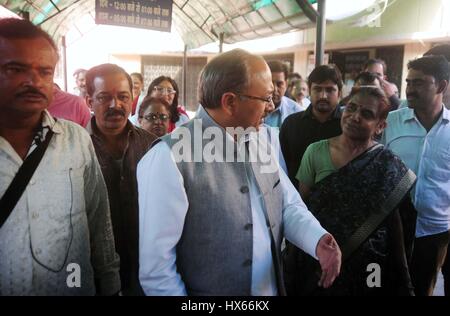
(323, 101)
(412, 95)
(31, 90)
(113, 112)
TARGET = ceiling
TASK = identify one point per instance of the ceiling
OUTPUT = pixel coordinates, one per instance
(197, 21)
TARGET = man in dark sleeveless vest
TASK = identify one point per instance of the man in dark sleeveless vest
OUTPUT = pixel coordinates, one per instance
(219, 208)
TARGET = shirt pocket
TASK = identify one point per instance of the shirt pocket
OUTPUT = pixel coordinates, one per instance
(438, 167)
(443, 153)
(57, 217)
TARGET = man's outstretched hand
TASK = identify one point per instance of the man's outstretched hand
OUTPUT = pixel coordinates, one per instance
(330, 258)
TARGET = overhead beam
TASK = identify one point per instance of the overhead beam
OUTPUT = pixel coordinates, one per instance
(55, 6)
(308, 10)
(192, 20)
(259, 27)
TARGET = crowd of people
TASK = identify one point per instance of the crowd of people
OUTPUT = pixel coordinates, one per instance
(279, 185)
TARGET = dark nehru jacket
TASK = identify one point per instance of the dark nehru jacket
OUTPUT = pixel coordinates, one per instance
(301, 129)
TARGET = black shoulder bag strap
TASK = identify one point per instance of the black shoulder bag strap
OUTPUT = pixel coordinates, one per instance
(20, 181)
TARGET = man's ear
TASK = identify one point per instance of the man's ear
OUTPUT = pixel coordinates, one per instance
(89, 101)
(228, 103)
(442, 86)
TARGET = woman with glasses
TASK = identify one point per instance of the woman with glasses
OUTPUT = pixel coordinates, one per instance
(154, 116)
(166, 89)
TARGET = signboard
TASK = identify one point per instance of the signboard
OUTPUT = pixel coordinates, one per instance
(147, 14)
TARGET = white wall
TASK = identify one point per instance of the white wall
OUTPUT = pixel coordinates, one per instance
(301, 62)
(131, 63)
(411, 51)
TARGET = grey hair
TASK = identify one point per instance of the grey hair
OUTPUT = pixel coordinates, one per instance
(228, 72)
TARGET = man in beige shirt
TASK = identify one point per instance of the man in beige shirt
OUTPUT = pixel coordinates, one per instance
(58, 239)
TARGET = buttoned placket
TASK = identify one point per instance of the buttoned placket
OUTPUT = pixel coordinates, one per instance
(427, 140)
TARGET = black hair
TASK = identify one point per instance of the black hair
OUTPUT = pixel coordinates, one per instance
(367, 77)
(174, 115)
(13, 28)
(278, 66)
(150, 101)
(323, 73)
(378, 93)
(436, 66)
(375, 61)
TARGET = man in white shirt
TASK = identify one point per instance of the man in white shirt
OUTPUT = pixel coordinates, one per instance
(80, 81)
(215, 227)
(300, 92)
(420, 136)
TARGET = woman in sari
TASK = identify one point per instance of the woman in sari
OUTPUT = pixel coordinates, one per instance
(354, 186)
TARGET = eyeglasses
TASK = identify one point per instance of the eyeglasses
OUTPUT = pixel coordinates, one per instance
(268, 99)
(162, 90)
(152, 117)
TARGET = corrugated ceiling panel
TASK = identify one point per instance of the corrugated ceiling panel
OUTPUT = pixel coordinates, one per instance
(226, 16)
(254, 18)
(288, 7)
(301, 22)
(279, 27)
(270, 14)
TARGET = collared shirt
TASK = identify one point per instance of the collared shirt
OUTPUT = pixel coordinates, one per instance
(428, 155)
(69, 107)
(287, 107)
(273, 138)
(302, 129)
(162, 217)
(120, 178)
(61, 224)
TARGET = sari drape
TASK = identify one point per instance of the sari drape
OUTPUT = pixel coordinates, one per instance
(356, 205)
